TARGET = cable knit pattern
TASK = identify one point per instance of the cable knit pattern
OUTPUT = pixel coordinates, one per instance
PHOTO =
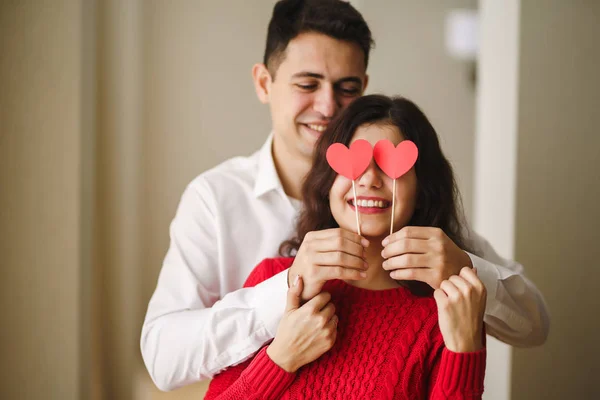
(388, 347)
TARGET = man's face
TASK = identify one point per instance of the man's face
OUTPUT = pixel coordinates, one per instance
(318, 77)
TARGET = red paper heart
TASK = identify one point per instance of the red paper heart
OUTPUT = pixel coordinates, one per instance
(352, 162)
(395, 161)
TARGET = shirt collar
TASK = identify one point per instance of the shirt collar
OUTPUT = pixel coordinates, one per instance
(267, 178)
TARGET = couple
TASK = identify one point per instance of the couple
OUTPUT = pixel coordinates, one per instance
(200, 320)
(370, 336)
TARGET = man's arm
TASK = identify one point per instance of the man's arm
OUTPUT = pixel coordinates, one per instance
(188, 333)
(516, 312)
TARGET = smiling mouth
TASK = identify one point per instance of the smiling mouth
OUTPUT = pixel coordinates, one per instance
(369, 206)
(316, 129)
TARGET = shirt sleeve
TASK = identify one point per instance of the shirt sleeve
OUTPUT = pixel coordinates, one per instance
(189, 333)
(516, 312)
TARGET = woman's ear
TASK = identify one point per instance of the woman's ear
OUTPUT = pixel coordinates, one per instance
(262, 82)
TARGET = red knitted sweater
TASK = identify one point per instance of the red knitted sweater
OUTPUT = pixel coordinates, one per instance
(388, 346)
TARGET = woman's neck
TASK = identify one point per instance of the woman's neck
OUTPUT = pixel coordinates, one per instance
(377, 277)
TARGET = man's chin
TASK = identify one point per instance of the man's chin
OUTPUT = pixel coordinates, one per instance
(307, 145)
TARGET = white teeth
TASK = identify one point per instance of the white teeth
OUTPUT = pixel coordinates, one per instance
(318, 128)
(369, 203)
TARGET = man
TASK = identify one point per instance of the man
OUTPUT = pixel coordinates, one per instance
(199, 321)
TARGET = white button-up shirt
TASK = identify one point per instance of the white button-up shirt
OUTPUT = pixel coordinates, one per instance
(200, 320)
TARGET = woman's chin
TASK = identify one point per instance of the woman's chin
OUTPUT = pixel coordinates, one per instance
(371, 233)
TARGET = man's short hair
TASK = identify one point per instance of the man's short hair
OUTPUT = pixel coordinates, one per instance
(335, 18)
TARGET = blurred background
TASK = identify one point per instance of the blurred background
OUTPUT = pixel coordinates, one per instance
(109, 108)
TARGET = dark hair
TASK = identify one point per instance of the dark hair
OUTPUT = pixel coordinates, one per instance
(438, 200)
(335, 18)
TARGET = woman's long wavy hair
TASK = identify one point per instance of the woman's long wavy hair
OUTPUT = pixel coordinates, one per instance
(438, 200)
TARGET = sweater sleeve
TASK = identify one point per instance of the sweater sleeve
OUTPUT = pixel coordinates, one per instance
(267, 268)
(260, 377)
(457, 376)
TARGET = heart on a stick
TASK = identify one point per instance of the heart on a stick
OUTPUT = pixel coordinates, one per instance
(350, 162)
(395, 161)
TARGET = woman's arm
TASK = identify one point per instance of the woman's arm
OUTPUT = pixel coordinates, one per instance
(459, 370)
(304, 334)
(457, 375)
(259, 379)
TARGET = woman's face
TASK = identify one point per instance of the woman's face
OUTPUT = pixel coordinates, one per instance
(374, 191)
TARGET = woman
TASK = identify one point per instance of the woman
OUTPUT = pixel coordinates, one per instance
(374, 337)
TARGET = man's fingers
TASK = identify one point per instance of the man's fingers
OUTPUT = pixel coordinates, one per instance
(404, 246)
(407, 261)
(318, 302)
(334, 321)
(328, 311)
(293, 294)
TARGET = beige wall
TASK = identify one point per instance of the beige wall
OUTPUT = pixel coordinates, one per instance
(410, 60)
(558, 194)
(41, 149)
(118, 147)
(199, 104)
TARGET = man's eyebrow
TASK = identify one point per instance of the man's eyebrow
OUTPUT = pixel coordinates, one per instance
(306, 74)
(354, 79)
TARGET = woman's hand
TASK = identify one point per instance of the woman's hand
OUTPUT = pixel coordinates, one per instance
(461, 305)
(329, 254)
(305, 332)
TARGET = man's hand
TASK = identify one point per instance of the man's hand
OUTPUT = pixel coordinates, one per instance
(326, 255)
(305, 332)
(423, 254)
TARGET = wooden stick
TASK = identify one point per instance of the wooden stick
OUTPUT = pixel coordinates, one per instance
(393, 205)
(356, 208)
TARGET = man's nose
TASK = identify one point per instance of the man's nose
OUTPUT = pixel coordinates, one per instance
(326, 102)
